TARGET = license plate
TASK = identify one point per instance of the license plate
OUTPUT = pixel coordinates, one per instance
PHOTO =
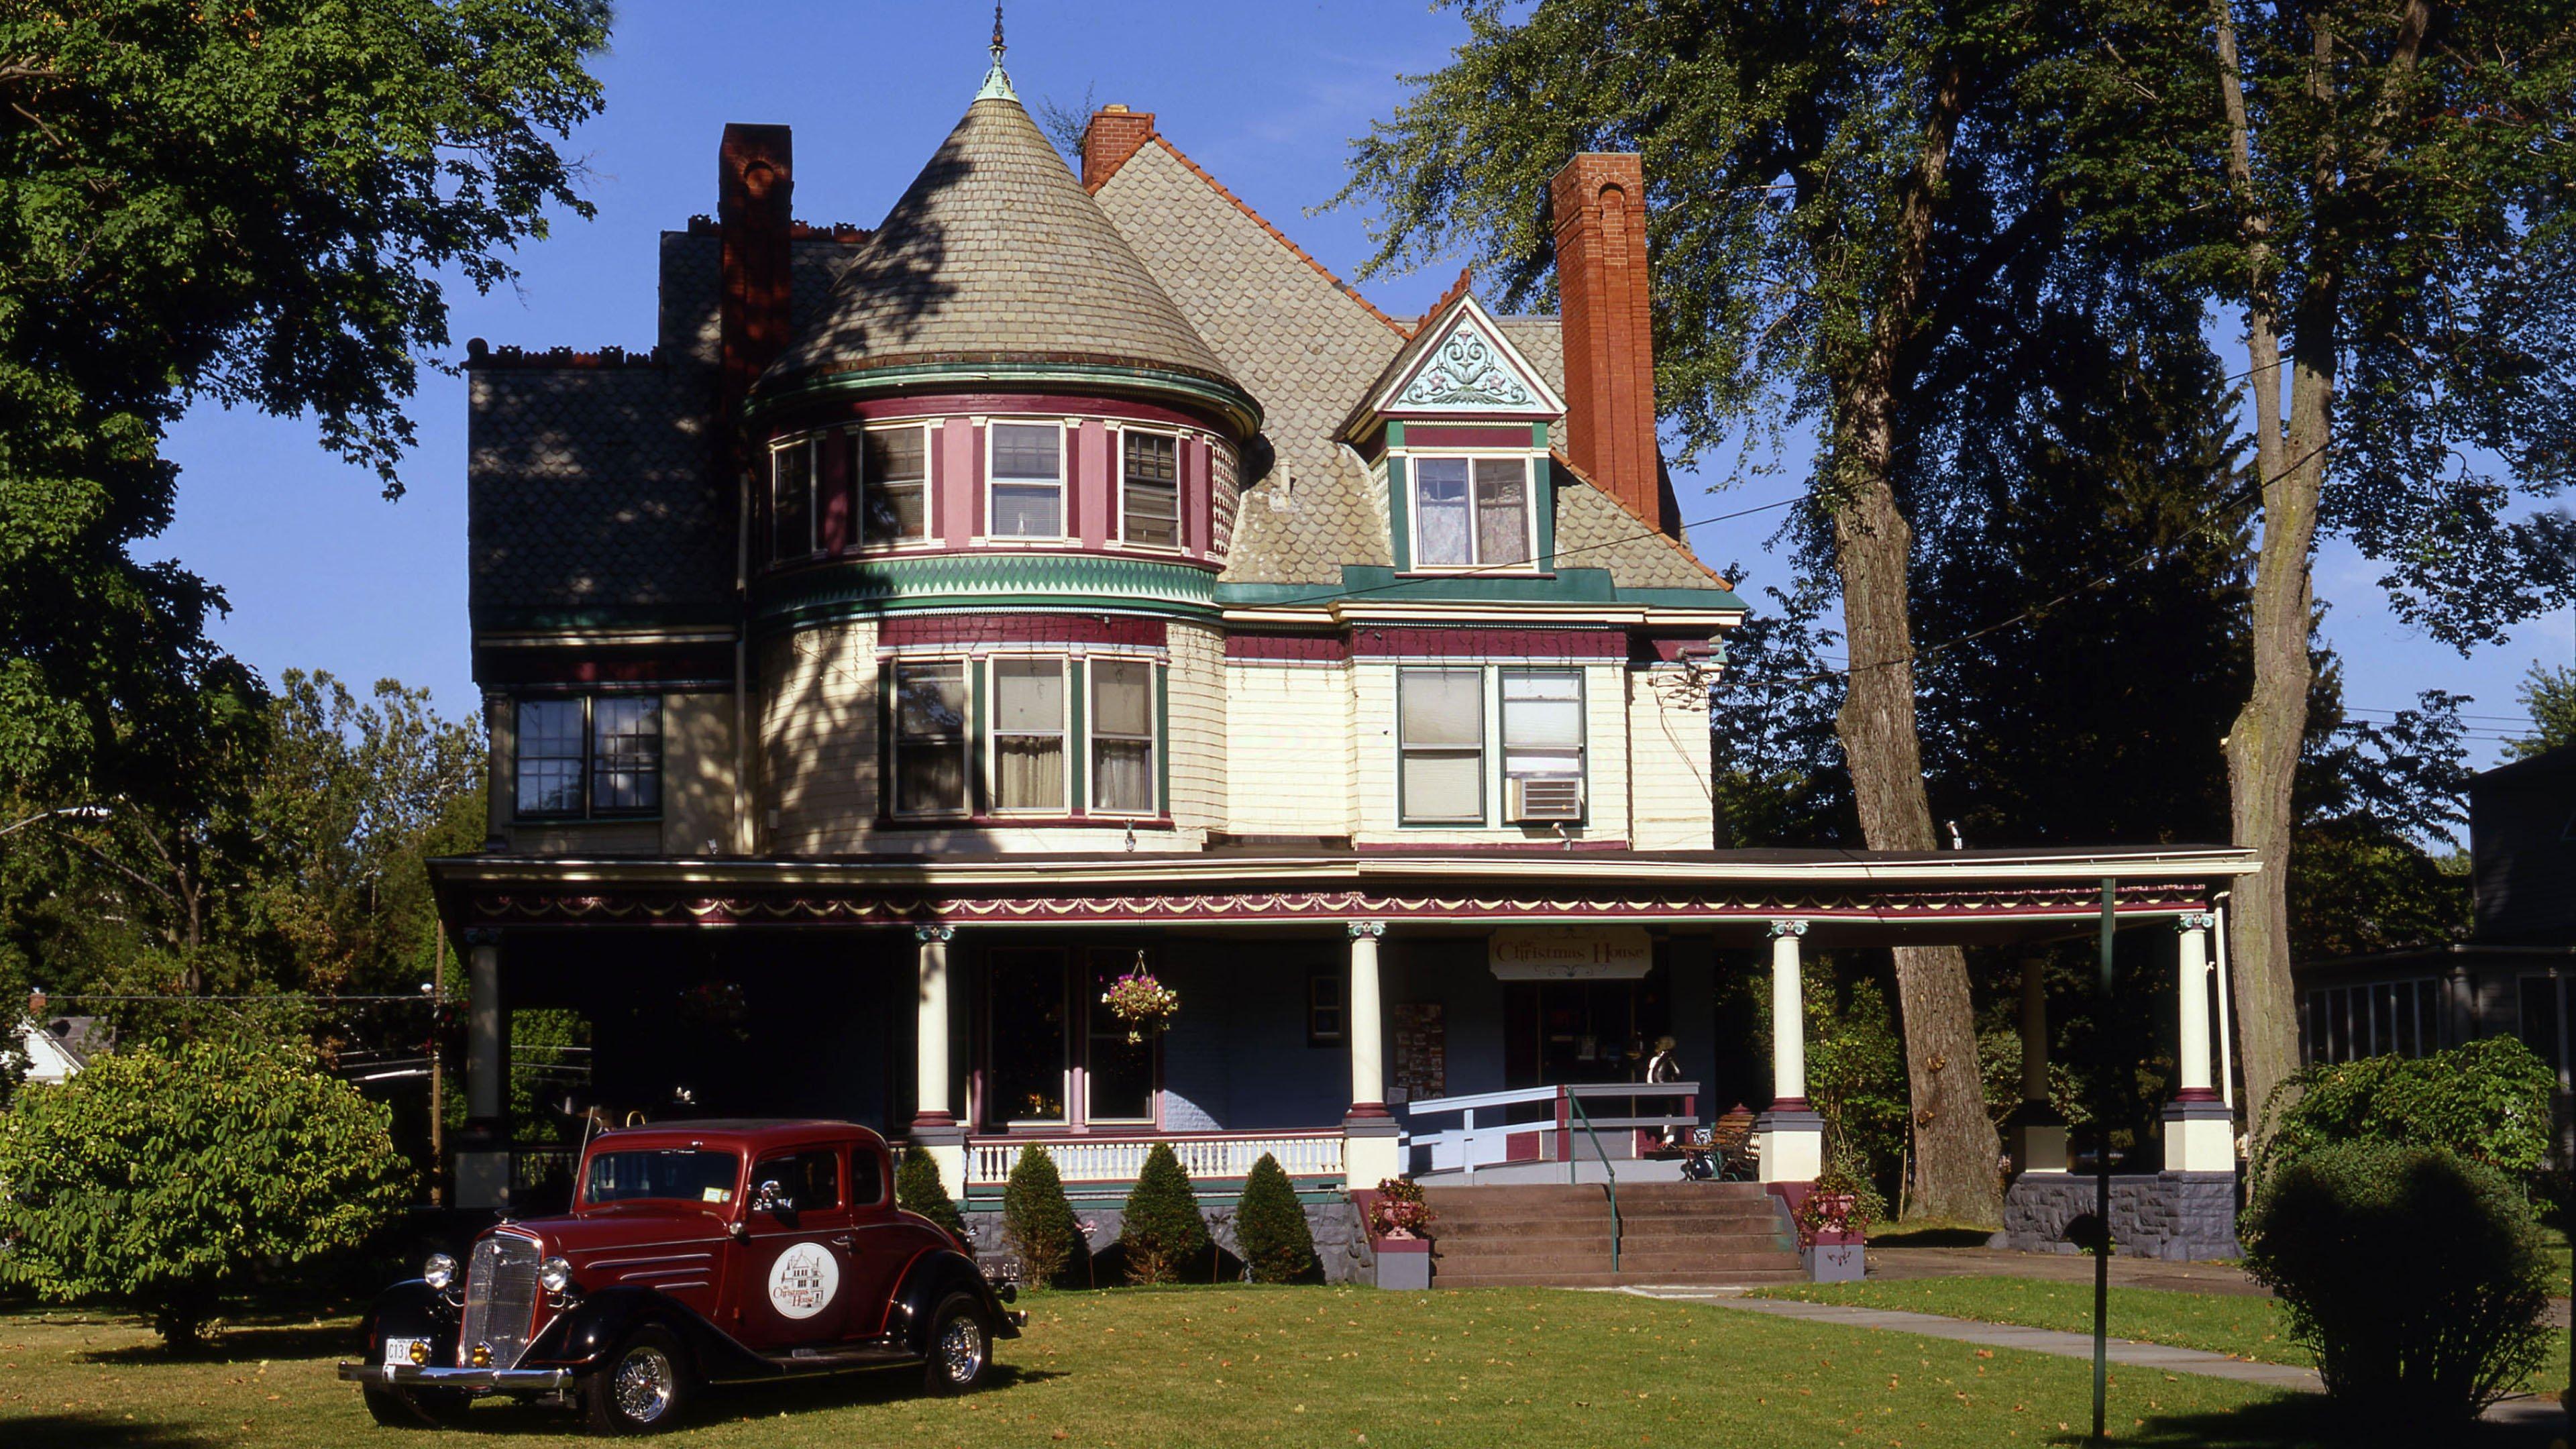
(398, 1350)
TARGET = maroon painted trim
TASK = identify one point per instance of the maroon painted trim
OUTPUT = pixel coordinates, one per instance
(1791, 1104)
(1023, 822)
(1516, 645)
(922, 631)
(1296, 648)
(1508, 847)
(1671, 650)
(1370, 1110)
(2197, 1094)
(1464, 435)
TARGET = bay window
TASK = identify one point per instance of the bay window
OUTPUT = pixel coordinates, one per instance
(1441, 722)
(1122, 736)
(1149, 489)
(791, 498)
(930, 738)
(1471, 512)
(1046, 736)
(1028, 735)
(894, 474)
(1026, 466)
(589, 756)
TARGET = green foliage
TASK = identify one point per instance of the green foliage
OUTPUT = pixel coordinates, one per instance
(1270, 1226)
(164, 1179)
(1855, 1069)
(1038, 1220)
(1161, 1229)
(2550, 696)
(251, 206)
(2414, 1275)
(2488, 1102)
(917, 1188)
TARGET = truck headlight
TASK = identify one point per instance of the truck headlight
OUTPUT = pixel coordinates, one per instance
(555, 1275)
(439, 1271)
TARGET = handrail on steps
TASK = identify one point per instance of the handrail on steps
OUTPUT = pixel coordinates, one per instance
(1607, 1171)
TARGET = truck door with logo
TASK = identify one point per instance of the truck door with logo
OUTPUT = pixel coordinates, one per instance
(796, 1252)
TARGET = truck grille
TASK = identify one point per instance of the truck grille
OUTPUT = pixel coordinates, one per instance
(500, 1299)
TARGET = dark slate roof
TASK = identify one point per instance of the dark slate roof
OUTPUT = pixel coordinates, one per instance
(994, 254)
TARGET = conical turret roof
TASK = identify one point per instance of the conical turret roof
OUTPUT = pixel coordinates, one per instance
(996, 255)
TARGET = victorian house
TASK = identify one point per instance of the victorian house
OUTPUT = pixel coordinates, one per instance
(1067, 575)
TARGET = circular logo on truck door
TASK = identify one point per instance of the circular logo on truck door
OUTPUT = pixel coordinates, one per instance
(803, 1280)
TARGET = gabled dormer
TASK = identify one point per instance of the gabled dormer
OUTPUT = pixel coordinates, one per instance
(1456, 430)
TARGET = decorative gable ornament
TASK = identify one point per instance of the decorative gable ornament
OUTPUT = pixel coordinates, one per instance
(1470, 369)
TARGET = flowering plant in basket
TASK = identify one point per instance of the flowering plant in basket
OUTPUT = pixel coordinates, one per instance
(1140, 1001)
(1398, 1210)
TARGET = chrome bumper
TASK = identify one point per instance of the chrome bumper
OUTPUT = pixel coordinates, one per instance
(411, 1375)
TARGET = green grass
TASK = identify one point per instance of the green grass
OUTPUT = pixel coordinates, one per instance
(1237, 1367)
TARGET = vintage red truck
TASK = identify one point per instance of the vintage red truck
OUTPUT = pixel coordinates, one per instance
(695, 1253)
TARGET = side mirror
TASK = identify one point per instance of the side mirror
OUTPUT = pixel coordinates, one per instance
(768, 1198)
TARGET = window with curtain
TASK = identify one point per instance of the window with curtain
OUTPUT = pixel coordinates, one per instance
(550, 756)
(894, 469)
(626, 754)
(1028, 735)
(1542, 723)
(1441, 723)
(791, 499)
(1031, 1052)
(1471, 512)
(1122, 736)
(1027, 481)
(930, 738)
(1149, 473)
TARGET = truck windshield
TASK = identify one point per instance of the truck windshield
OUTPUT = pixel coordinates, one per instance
(683, 1173)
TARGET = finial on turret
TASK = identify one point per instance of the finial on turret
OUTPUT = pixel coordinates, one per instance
(998, 46)
(997, 85)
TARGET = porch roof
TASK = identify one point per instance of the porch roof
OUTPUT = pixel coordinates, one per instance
(1845, 896)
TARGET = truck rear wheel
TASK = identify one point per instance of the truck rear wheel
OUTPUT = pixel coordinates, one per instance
(641, 1387)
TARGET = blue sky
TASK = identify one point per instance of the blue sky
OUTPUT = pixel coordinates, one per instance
(322, 573)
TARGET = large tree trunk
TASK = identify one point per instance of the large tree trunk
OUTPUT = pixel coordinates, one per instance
(1955, 1144)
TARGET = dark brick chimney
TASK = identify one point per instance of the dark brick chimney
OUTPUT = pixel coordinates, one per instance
(753, 220)
(1114, 135)
(1599, 200)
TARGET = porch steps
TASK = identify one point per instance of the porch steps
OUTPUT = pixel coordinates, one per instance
(1530, 1235)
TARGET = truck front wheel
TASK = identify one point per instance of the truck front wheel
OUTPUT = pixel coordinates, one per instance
(961, 1346)
(641, 1387)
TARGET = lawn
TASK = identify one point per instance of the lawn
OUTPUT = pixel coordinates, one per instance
(1238, 1367)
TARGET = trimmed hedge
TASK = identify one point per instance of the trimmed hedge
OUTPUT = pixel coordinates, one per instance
(1037, 1218)
(1161, 1229)
(2487, 1101)
(1270, 1224)
(917, 1188)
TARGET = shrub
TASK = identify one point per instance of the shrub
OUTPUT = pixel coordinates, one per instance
(2415, 1275)
(1270, 1226)
(917, 1188)
(164, 1179)
(1161, 1229)
(2488, 1101)
(1037, 1219)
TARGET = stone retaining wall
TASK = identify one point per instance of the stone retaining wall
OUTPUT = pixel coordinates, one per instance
(2178, 1216)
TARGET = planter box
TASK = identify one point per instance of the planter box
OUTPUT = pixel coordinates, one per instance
(1403, 1262)
(1835, 1262)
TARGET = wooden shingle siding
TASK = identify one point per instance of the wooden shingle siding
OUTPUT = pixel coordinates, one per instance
(1289, 748)
(818, 732)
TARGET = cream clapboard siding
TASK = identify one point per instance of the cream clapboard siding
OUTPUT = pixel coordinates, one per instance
(697, 773)
(1606, 765)
(1288, 757)
(1199, 727)
(1672, 805)
(818, 740)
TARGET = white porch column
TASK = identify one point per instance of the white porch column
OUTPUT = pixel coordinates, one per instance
(2200, 1133)
(483, 1157)
(2037, 1139)
(934, 1120)
(1790, 1137)
(1370, 1136)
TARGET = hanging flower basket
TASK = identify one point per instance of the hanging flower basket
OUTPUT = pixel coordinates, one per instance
(1142, 1002)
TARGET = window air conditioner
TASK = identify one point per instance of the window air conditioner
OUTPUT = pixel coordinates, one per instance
(1547, 797)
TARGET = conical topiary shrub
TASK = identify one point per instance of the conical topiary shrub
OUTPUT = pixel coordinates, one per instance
(1037, 1219)
(917, 1188)
(1270, 1225)
(1162, 1230)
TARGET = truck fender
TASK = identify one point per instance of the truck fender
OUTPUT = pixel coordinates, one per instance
(411, 1309)
(929, 1278)
(586, 1331)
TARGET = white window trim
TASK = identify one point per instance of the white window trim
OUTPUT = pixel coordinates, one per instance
(1063, 481)
(1413, 510)
(813, 487)
(1069, 1084)
(1091, 735)
(1180, 492)
(992, 735)
(1485, 756)
(893, 786)
(1583, 716)
(929, 536)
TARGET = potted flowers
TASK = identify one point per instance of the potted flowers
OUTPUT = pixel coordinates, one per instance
(1396, 1215)
(1141, 1002)
(1833, 1220)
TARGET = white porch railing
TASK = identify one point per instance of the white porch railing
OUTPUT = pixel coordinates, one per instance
(1095, 1158)
(1472, 1144)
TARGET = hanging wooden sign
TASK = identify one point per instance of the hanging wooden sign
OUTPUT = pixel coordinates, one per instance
(1571, 953)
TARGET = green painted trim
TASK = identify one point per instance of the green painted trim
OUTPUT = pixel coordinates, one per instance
(979, 713)
(1567, 586)
(985, 580)
(1394, 433)
(1538, 436)
(1399, 516)
(1543, 508)
(1077, 745)
(1238, 406)
(1163, 739)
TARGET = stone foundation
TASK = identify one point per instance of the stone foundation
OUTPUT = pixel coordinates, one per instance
(1340, 1245)
(2178, 1216)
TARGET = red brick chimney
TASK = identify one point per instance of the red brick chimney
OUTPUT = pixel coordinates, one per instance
(1599, 200)
(1114, 134)
(753, 221)
(36, 1003)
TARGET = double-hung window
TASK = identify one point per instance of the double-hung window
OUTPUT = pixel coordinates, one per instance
(1471, 512)
(1542, 724)
(930, 738)
(1027, 473)
(894, 472)
(1149, 489)
(791, 498)
(589, 756)
(1029, 735)
(1122, 736)
(1441, 718)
